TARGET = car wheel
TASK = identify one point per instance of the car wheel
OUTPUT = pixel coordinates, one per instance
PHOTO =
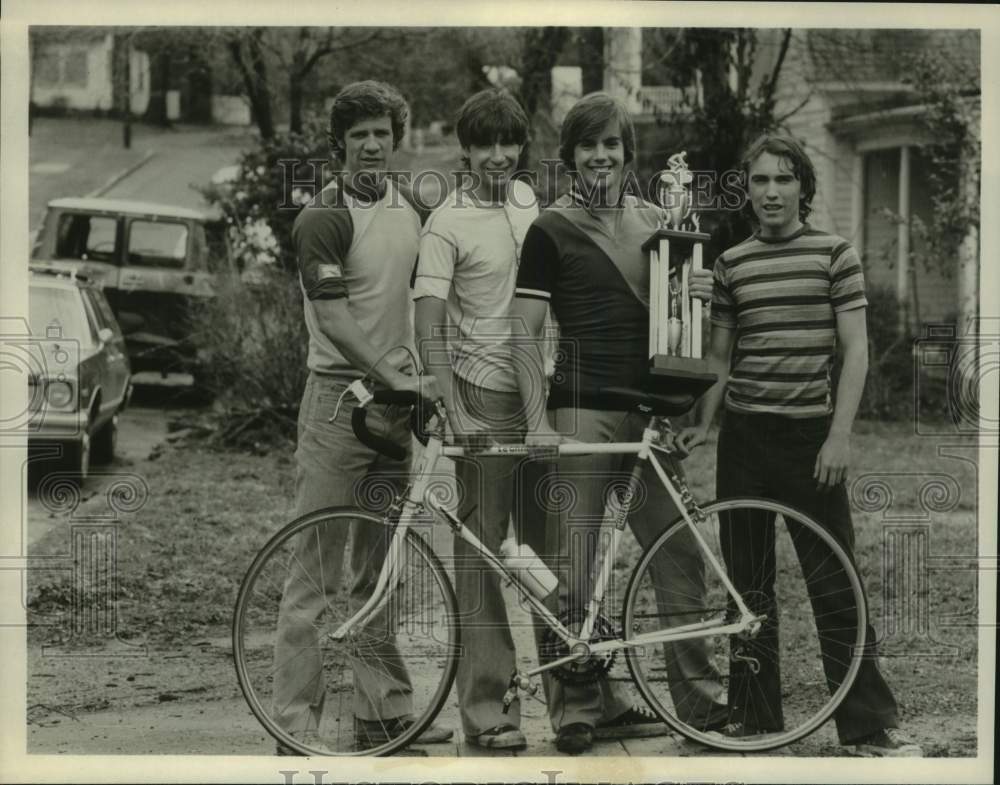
(76, 458)
(102, 449)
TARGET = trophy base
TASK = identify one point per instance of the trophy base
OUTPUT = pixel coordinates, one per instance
(680, 375)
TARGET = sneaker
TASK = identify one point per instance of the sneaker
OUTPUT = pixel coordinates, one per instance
(373, 733)
(636, 723)
(502, 737)
(887, 743)
(575, 738)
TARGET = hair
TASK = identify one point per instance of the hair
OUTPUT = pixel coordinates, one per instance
(489, 116)
(365, 101)
(792, 151)
(587, 119)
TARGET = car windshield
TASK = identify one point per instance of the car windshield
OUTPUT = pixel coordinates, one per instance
(160, 244)
(58, 313)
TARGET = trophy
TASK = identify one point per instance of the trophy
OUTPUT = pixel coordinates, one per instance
(675, 250)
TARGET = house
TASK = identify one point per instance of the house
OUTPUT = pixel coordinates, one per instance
(846, 100)
(863, 126)
(71, 68)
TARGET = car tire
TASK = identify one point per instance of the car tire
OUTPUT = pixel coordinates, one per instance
(76, 458)
(102, 448)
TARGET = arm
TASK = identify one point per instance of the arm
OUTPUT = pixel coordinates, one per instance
(337, 324)
(531, 370)
(430, 320)
(852, 340)
(322, 241)
(719, 353)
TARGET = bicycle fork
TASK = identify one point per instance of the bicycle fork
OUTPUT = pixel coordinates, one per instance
(389, 574)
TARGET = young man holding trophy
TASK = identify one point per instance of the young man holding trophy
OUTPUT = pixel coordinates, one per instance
(584, 257)
(787, 300)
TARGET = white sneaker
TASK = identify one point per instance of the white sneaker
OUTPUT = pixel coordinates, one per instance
(887, 743)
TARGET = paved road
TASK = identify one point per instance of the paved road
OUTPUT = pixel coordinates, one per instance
(181, 163)
(140, 430)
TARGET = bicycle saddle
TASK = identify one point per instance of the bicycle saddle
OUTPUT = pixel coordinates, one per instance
(662, 404)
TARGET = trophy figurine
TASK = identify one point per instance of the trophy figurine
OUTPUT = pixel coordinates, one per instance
(675, 250)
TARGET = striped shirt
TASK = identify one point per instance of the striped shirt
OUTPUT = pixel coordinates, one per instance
(781, 296)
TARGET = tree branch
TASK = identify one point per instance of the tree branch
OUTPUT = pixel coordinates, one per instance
(802, 103)
(771, 84)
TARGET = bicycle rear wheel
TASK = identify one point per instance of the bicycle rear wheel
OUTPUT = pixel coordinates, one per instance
(786, 567)
(379, 688)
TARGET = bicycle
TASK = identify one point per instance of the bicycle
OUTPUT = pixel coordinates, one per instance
(405, 628)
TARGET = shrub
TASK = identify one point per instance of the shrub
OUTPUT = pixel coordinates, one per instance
(253, 349)
(272, 181)
(888, 391)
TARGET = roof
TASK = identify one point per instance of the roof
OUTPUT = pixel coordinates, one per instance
(55, 277)
(129, 206)
(860, 56)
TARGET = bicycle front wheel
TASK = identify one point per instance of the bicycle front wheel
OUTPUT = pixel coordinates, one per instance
(377, 689)
(767, 689)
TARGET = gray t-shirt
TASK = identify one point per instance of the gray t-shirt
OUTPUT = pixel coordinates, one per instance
(364, 252)
(469, 255)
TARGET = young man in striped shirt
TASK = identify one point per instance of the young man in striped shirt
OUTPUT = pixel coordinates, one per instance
(786, 299)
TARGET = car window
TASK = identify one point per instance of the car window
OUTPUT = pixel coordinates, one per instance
(93, 320)
(59, 313)
(86, 237)
(105, 316)
(157, 244)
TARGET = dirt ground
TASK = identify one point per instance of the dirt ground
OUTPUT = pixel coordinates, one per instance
(156, 675)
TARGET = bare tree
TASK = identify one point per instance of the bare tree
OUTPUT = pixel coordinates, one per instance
(247, 49)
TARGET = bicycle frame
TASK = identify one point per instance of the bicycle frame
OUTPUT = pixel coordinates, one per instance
(419, 497)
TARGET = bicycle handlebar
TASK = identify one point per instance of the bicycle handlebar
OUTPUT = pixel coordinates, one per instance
(380, 444)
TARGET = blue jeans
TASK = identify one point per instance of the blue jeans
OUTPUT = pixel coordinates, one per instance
(568, 543)
(334, 469)
(773, 456)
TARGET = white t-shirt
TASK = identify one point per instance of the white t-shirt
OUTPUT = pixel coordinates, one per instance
(469, 254)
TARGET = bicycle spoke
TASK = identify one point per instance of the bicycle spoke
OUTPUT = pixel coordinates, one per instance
(775, 684)
(343, 697)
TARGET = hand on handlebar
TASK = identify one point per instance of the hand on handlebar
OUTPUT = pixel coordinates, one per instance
(543, 436)
(426, 386)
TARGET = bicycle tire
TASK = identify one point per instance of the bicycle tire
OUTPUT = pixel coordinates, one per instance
(807, 695)
(413, 644)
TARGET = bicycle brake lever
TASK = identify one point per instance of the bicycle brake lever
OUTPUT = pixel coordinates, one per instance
(358, 389)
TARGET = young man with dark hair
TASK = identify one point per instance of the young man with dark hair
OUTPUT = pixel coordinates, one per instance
(785, 301)
(465, 283)
(583, 257)
(356, 246)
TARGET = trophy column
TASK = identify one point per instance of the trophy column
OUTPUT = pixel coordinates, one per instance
(675, 361)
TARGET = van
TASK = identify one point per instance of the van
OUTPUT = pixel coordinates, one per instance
(151, 260)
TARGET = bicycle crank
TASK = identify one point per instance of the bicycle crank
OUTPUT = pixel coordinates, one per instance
(518, 681)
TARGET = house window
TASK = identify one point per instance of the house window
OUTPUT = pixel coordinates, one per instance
(75, 68)
(47, 68)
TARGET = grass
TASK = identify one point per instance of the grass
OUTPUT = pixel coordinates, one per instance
(181, 557)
